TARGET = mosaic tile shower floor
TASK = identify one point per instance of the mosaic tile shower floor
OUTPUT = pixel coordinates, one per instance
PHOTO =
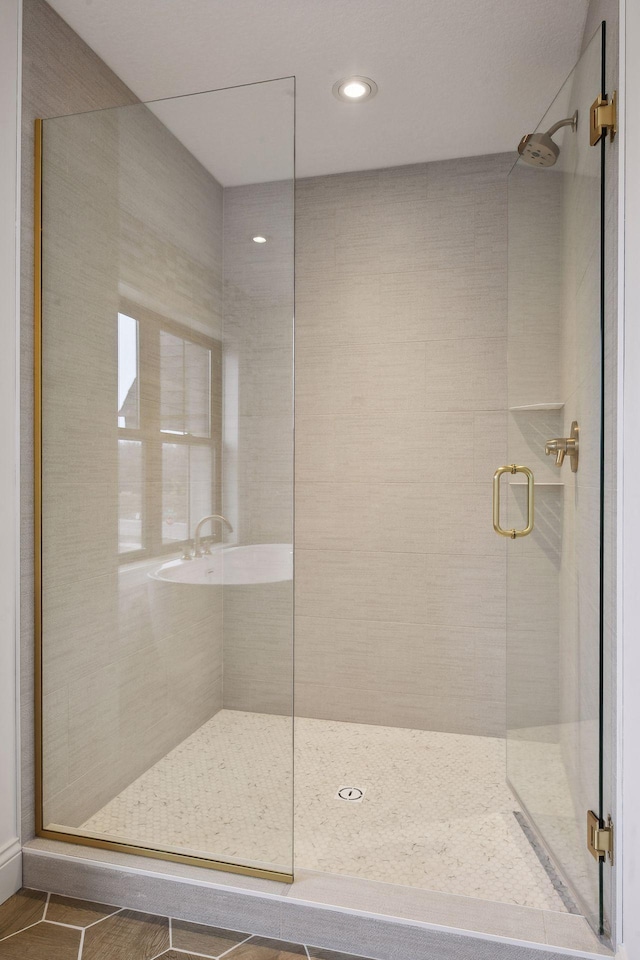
(436, 813)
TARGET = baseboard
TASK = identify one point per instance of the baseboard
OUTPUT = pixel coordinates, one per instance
(264, 908)
(10, 869)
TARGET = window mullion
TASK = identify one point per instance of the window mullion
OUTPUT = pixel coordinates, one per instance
(150, 423)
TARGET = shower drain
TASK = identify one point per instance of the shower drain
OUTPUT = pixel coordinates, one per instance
(354, 794)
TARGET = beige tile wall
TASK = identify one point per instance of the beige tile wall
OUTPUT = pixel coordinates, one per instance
(258, 441)
(60, 74)
(131, 666)
(400, 423)
(533, 563)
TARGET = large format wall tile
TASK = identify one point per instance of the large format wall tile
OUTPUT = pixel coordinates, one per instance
(371, 378)
(402, 447)
(400, 424)
(128, 212)
(362, 586)
(466, 591)
(398, 517)
(466, 374)
(258, 426)
(433, 677)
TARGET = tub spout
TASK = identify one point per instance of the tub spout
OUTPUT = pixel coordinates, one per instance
(197, 549)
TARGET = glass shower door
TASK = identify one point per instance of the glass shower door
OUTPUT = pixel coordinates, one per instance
(554, 603)
(164, 447)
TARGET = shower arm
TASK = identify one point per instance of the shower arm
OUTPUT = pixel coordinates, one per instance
(567, 122)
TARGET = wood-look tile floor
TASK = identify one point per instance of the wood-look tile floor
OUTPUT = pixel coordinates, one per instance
(41, 926)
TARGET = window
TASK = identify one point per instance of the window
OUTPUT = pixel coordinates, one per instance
(169, 427)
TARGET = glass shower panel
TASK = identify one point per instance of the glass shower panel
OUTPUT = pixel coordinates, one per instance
(166, 478)
(553, 574)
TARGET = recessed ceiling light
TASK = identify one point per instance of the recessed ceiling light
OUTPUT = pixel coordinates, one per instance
(259, 239)
(355, 89)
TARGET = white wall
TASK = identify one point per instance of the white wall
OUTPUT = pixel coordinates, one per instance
(10, 857)
(629, 430)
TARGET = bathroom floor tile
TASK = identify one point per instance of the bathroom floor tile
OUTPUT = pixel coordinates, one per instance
(471, 844)
(127, 936)
(174, 955)
(44, 940)
(261, 948)
(21, 910)
(210, 941)
(77, 913)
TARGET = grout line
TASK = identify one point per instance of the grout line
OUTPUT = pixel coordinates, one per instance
(102, 919)
(81, 945)
(58, 923)
(404, 553)
(240, 944)
(402, 623)
(208, 956)
(77, 926)
(170, 934)
(31, 925)
(390, 414)
(155, 957)
(190, 953)
(46, 906)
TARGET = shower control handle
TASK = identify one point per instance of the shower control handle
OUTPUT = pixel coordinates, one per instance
(565, 447)
(559, 447)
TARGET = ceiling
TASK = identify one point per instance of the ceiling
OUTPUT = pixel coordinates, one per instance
(456, 77)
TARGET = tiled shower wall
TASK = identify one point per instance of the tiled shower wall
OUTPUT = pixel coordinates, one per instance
(258, 438)
(60, 75)
(131, 667)
(400, 423)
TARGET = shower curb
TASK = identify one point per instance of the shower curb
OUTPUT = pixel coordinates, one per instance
(252, 907)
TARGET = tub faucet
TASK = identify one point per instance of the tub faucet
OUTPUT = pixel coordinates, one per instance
(197, 549)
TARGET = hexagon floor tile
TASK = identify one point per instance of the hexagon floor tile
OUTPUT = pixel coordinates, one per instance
(127, 936)
(437, 813)
(84, 930)
(43, 940)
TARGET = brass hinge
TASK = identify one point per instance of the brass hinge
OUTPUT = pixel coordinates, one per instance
(602, 118)
(599, 837)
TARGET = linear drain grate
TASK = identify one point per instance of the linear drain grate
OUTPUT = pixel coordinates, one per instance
(352, 794)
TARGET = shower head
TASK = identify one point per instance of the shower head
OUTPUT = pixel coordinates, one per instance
(539, 149)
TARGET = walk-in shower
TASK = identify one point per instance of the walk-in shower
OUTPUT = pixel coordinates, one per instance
(448, 732)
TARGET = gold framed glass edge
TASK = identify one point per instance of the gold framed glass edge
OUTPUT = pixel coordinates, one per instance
(192, 860)
(40, 831)
(37, 461)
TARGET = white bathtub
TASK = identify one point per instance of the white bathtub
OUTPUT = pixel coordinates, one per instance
(233, 566)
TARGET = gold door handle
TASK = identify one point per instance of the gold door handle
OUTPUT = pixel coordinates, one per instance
(512, 534)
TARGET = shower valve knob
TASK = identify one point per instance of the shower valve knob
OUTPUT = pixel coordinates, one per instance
(565, 447)
(559, 447)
